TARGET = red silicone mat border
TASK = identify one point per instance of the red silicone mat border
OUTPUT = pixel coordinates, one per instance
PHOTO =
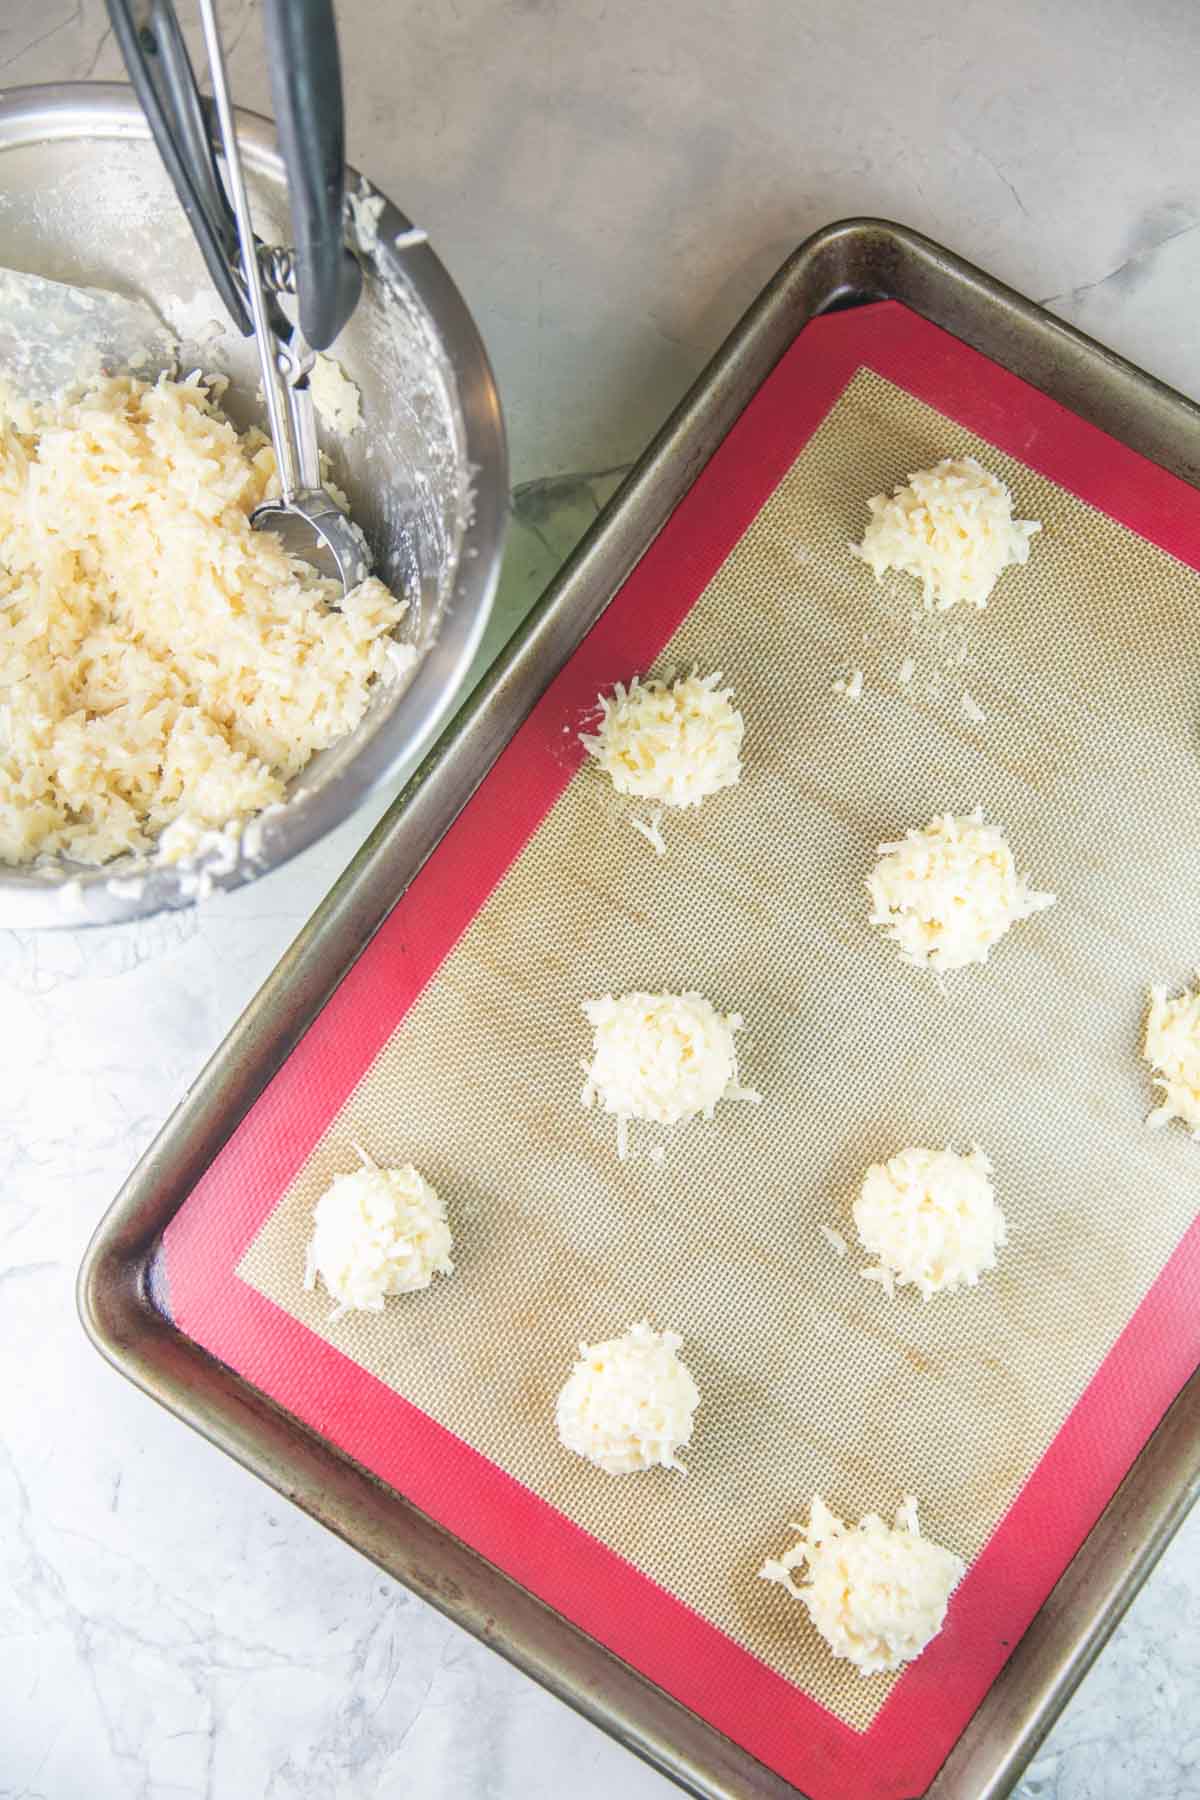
(533, 1543)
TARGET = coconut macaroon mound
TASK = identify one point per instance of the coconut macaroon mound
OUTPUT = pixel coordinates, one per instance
(161, 661)
(876, 1593)
(1172, 1048)
(947, 894)
(931, 1219)
(628, 1403)
(664, 1058)
(671, 743)
(377, 1232)
(952, 528)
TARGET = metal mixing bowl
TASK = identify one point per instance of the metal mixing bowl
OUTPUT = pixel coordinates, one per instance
(84, 199)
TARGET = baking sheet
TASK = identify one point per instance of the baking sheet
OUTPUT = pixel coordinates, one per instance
(854, 1050)
(811, 1380)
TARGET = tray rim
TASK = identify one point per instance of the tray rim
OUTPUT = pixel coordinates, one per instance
(847, 263)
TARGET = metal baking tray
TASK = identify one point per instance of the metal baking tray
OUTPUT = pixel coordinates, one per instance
(843, 266)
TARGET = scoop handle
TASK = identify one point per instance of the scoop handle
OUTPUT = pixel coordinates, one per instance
(306, 84)
(160, 69)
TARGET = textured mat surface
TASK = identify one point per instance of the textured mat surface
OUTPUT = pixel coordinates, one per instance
(1085, 667)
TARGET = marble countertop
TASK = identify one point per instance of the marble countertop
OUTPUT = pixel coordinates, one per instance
(610, 183)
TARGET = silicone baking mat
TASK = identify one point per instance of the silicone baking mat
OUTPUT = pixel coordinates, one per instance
(1012, 1411)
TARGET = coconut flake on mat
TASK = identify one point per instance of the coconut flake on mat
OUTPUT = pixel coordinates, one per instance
(948, 893)
(951, 527)
(1172, 1048)
(834, 1239)
(377, 1232)
(628, 1403)
(665, 1058)
(876, 1593)
(672, 742)
(930, 1218)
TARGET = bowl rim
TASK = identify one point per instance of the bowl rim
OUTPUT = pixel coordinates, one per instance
(74, 897)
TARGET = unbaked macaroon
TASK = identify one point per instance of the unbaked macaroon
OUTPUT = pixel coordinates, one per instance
(377, 1232)
(1172, 1048)
(951, 527)
(665, 1058)
(947, 894)
(931, 1220)
(671, 743)
(628, 1403)
(876, 1593)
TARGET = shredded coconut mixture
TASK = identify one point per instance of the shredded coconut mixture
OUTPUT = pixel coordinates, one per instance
(366, 210)
(1172, 1048)
(377, 1232)
(931, 1219)
(952, 527)
(628, 1403)
(947, 894)
(670, 742)
(651, 830)
(660, 1057)
(336, 399)
(160, 660)
(877, 1594)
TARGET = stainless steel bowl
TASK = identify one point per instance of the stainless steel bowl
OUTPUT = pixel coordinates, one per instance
(83, 198)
